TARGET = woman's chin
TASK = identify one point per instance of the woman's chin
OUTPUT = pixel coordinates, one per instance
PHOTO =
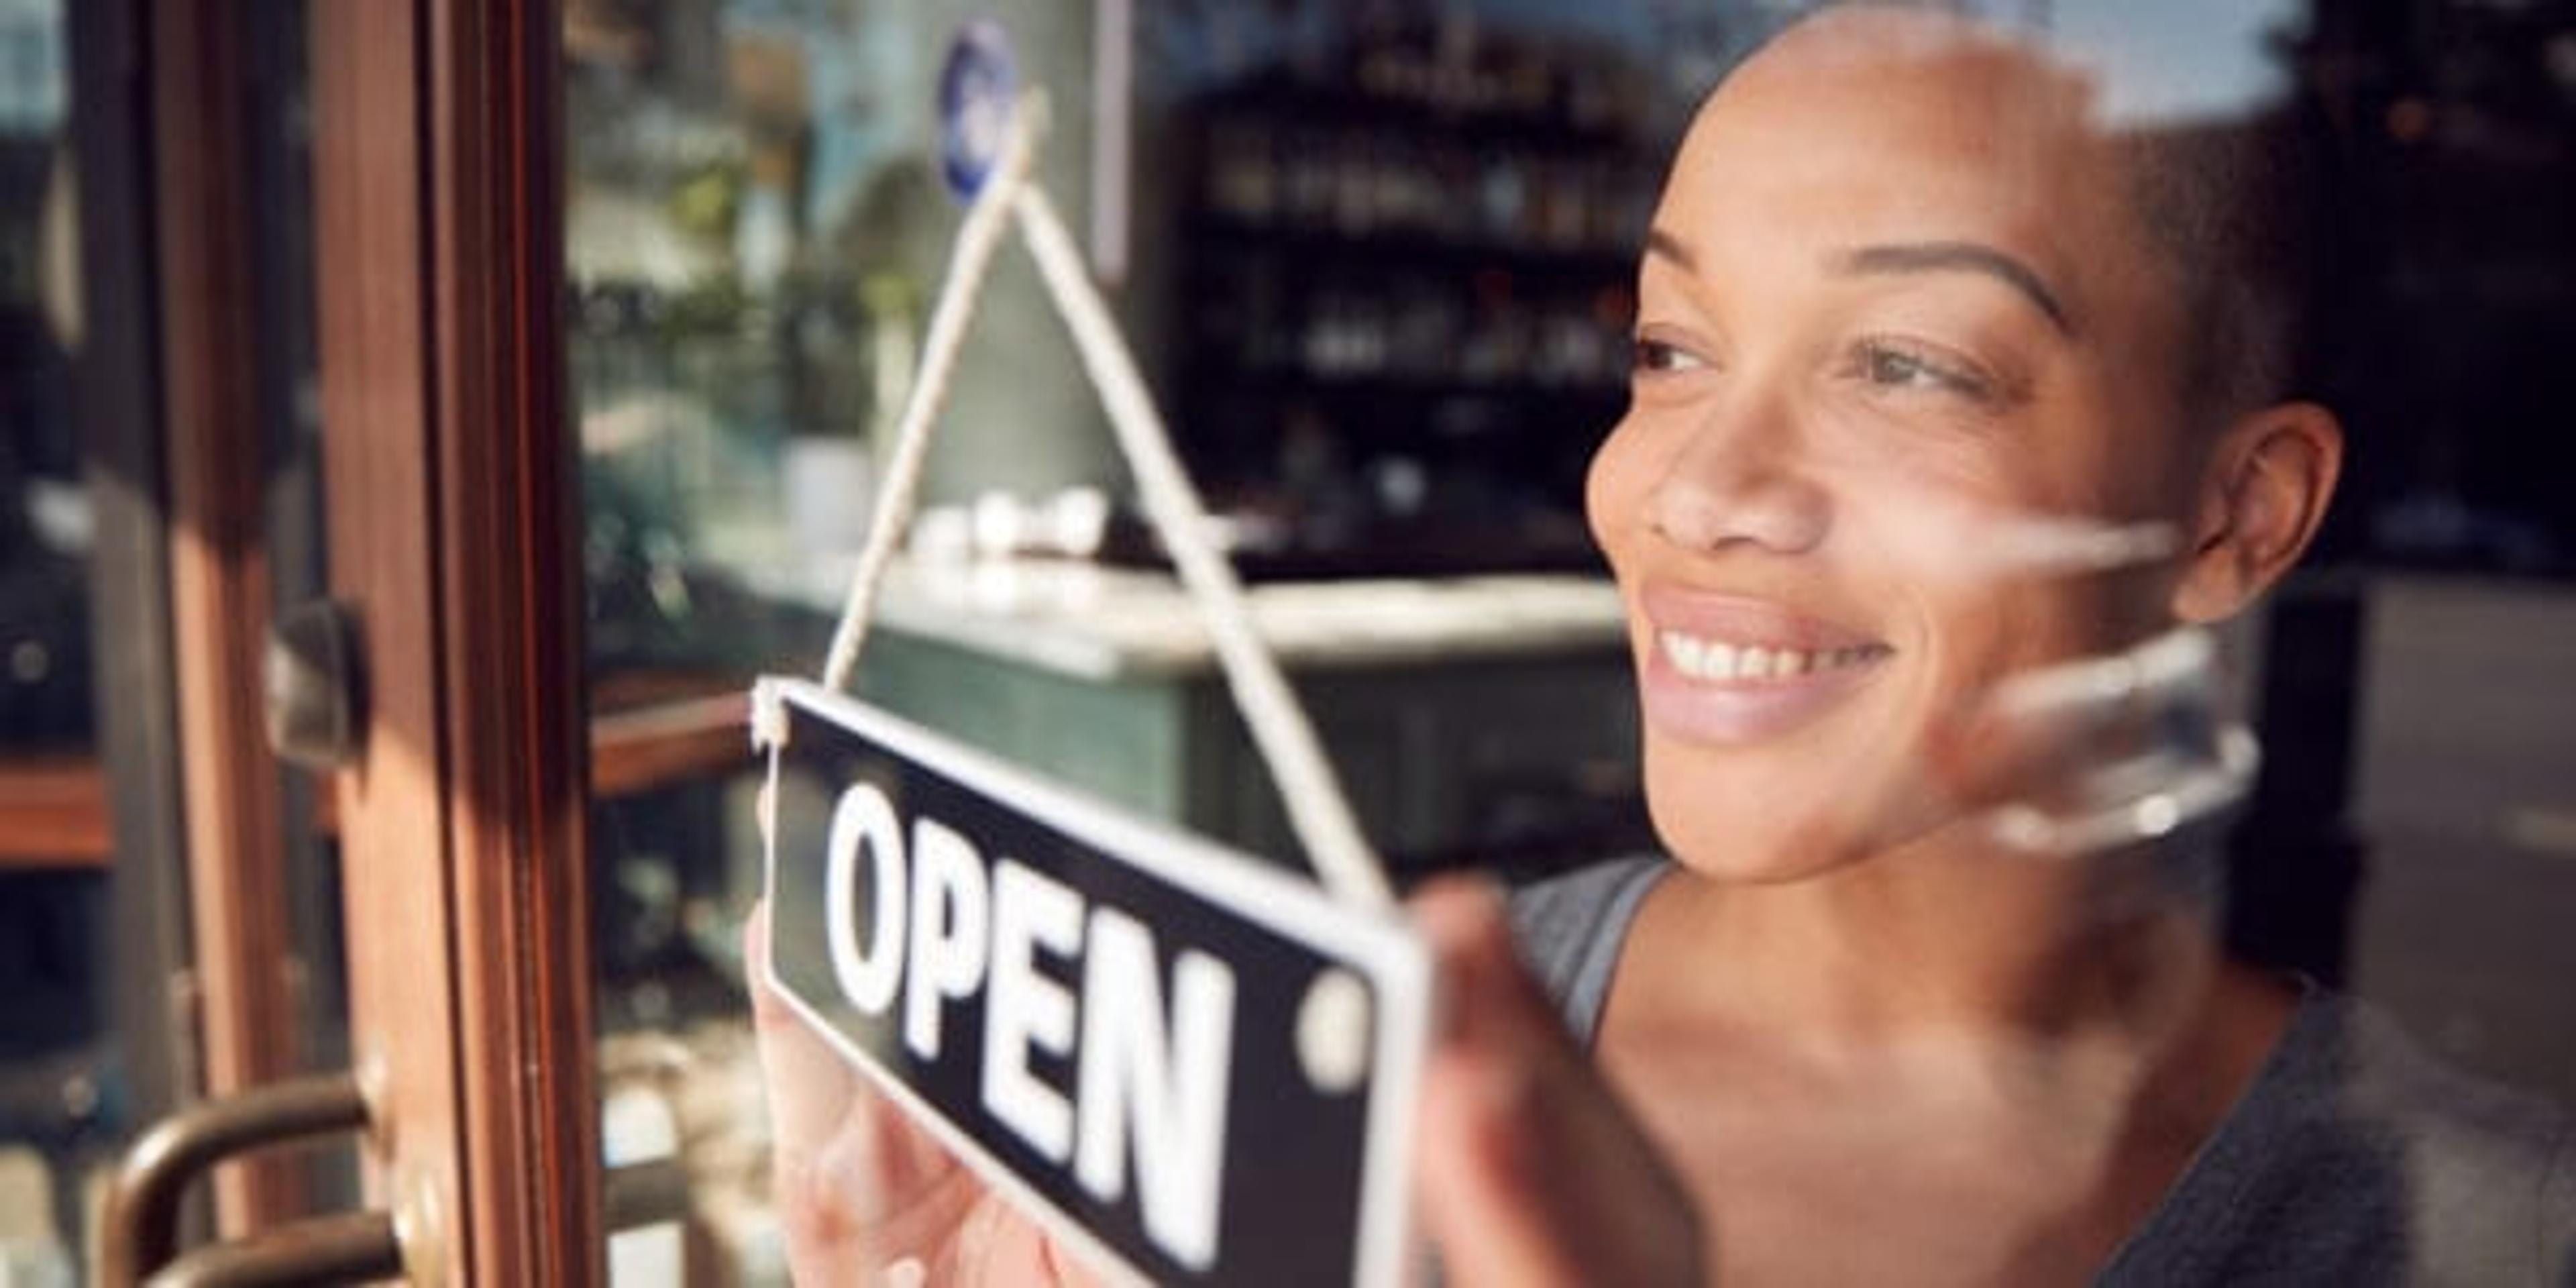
(1754, 852)
(1753, 829)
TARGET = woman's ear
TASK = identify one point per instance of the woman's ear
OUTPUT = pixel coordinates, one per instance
(2263, 495)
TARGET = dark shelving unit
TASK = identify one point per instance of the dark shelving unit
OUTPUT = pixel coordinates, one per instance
(1406, 287)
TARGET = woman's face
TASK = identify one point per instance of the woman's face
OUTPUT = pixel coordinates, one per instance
(1893, 302)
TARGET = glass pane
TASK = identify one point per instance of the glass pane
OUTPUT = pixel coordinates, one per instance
(54, 842)
(70, 1077)
(2080, 474)
(44, 706)
(690, 291)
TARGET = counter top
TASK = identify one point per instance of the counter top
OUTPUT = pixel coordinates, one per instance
(1106, 623)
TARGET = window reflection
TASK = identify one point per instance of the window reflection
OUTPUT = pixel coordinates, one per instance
(52, 836)
(44, 653)
(1382, 271)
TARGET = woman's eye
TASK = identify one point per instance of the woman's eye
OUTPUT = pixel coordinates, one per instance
(1662, 356)
(1890, 367)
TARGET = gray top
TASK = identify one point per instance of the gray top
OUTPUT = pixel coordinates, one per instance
(2353, 1159)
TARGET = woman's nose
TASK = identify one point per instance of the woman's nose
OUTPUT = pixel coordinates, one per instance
(1741, 480)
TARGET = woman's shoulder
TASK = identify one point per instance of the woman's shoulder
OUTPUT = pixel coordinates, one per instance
(1571, 926)
(2488, 1170)
(2360, 1157)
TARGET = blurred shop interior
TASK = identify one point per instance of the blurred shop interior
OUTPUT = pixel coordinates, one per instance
(1378, 263)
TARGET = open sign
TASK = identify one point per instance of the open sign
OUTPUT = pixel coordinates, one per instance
(1194, 1065)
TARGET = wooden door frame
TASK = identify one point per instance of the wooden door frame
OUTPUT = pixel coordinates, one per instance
(451, 473)
(217, 455)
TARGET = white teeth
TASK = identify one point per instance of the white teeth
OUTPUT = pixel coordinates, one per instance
(1716, 660)
(1723, 663)
(1685, 651)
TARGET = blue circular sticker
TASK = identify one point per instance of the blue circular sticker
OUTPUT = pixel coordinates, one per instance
(977, 89)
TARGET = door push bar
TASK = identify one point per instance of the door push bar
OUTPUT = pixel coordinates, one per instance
(141, 1243)
(142, 1226)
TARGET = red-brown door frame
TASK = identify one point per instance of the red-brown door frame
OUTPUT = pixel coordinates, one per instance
(451, 475)
(219, 576)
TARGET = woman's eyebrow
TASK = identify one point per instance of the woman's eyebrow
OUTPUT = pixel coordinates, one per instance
(1956, 256)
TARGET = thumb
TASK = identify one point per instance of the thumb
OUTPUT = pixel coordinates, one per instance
(1531, 1172)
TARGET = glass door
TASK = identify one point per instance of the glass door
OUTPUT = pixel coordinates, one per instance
(321, 467)
(158, 488)
(348, 222)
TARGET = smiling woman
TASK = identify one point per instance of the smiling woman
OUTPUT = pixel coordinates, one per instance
(1894, 277)
(1909, 297)
(1962, 411)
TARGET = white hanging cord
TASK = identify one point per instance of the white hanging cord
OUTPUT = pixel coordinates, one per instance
(1316, 808)
(977, 238)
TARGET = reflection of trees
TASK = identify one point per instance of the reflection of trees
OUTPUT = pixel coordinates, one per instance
(2454, 127)
(867, 272)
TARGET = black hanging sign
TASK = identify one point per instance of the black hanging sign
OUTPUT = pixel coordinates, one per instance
(1195, 1065)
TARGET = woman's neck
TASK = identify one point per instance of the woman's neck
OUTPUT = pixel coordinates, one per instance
(1953, 951)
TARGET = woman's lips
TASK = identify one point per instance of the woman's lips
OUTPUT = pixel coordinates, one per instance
(1723, 669)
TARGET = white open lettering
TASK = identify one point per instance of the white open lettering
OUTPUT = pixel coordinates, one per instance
(868, 978)
(948, 930)
(1025, 1009)
(1171, 1098)
(939, 929)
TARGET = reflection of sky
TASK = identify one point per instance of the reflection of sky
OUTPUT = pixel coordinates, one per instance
(33, 71)
(870, 102)
(2176, 59)
(2160, 59)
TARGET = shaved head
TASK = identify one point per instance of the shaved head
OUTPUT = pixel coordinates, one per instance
(2224, 207)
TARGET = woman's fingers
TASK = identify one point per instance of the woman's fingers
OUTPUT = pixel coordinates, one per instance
(812, 1094)
(865, 1196)
(809, 1084)
(1530, 1172)
(858, 1189)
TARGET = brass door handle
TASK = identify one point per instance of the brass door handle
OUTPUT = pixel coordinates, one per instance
(142, 1226)
(348, 1247)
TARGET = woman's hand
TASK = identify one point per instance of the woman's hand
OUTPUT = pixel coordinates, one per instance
(1529, 1171)
(863, 1195)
